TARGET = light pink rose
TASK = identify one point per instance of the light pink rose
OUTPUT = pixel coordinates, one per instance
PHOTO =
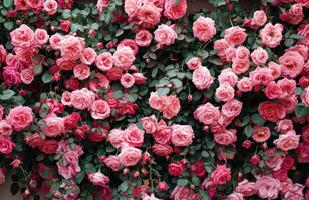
(81, 71)
(133, 136)
(100, 109)
(271, 35)
(184, 193)
(273, 160)
(240, 66)
(194, 63)
(230, 53)
(127, 80)
(235, 35)
(227, 76)
(165, 35)
(104, 61)
(301, 49)
(143, 38)
(88, 56)
(232, 108)
(27, 76)
(204, 28)
(244, 84)
(220, 46)
(284, 125)
(225, 92)
(268, 187)
(22, 37)
(234, 196)
(116, 138)
(275, 69)
(259, 56)
(71, 48)
(5, 128)
(50, 6)
(20, 117)
(175, 11)
(82, 99)
(123, 57)
(150, 124)
(55, 41)
(221, 175)
(202, 78)
(101, 4)
(41, 36)
(295, 192)
(163, 134)
(261, 76)
(287, 141)
(54, 126)
(132, 7)
(182, 135)
(147, 197)
(292, 64)
(130, 156)
(246, 188)
(261, 133)
(242, 53)
(98, 179)
(172, 107)
(305, 97)
(66, 98)
(157, 102)
(226, 138)
(113, 163)
(148, 16)
(207, 114)
(259, 18)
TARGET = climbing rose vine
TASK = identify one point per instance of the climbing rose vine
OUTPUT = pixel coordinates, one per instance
(140, 99)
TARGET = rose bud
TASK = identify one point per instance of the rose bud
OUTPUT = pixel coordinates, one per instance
(23, 92)
(190, 98)
(11, 13)
(134, 68)
(146, 157)
(255, 160)
(162, 186)
(101, 158)
(139, 78)
(53, 28)
(56, 76)
(65, 25)
(145, 172)
(92, 33)
(184, 161)
(246, 144)
(26, 193)
(18, 22)
(136, 174)
(99, 45)
(205, 128)
(16, 163)
(126, 171)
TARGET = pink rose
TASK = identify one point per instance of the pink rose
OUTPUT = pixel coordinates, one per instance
(130, 156)
(127, 80)
(55, 41)
(242, 53)
(22, 37)
(268, 187)
(259, 56)
(305, 97)
(182, 135)
(287, 141)
(104, 61)
(131, 7)
(71, 48)
(1, 112)
(287, 87)
(139, 78)
(225, 92)
(162, 149)
(129, 43)
(304, 135)
(184, 193)
(143, 38)
(261, 133)
(272, 90)
(220, 46)
(271, 111)
(175, 11)
(50, 6)
(261, 76)
(100, 109)
(202, 78)
(290, 103)
(292, 64)
(230, 53)
(259, 18)
(157, 102)
(41, 36)
(226, 138)
(123, 57)
(113, 163)
(221, 175)
(5, 128)
(204, 28)
(232, 108)
(66, 98)
(302, 153)
(150, 124)
(98, 179)
(244, 84)
(284, 125)
(26, 76)
(235, 35)
(3, 54)
(34, 4)
(295, 192)
(273, 160)
(194, 63)
(207, 114)
(275, 69)
(227, 76)
(116, 138)
(240, 66)
(11, 76)
(65, 65)
(133, 136)
(54, 126)
(82, 99)
(235, 196)
(148, 16)
(20, 117)
(246, 188)
(165, 35)
(81, 71)
(88, 56)
(172, 107)
(296, 14)
(175, 168)
(101, 4)
(6, 145)
(163, 134)
(271, 35)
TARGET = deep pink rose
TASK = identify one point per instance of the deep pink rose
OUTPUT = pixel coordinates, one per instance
(202, 78)
(163, 134)
(221, 175)
(100, 109)
(287, 87)
(130, 156)
(273, 90)
(271, 35)
(271, 111)
(204, 28)
(305, 97)
(261, 133)
(162, 149)
(148, 16)
(226, 138)
(3, 54)
(11, 76)
(302, 153)
(175, 11)
(20, 117)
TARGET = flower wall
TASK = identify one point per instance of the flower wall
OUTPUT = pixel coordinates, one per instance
(139, 99)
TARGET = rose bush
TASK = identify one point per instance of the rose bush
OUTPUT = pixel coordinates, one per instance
(139, 99)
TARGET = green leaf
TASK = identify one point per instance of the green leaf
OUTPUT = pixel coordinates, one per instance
(301, 111)
(66, 14)
(245, 121)
(248, 130)
(7, 3)
(124, 187)
(14, 188)
(119, 33)
(171, 73)
(118, 94)
(163, 91)
(288, 42)
(182, 182)
(177, 2)
(46, 78)
(8, 25)
(44, 110)
(258, 119)
(154, 72)
(204, 195)
(296, 36)
(195, 181)
(177, 83)
(74, 27)
(80, 176)
(7, 94)
(37, 69)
